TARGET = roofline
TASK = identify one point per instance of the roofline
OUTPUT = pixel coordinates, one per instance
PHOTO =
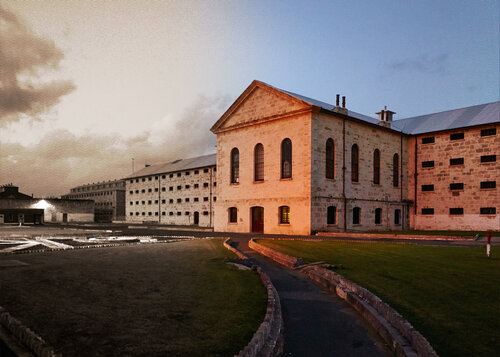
(168, 172)
(454, 129)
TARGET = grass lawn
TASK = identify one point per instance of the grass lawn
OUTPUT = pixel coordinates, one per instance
(465, 234)
(175, 299)
(450, 294)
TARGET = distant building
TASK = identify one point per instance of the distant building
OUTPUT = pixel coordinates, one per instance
(109, 198)
(16, 207)
(181, 192)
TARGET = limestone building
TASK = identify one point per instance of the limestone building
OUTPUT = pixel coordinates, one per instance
(289, 164)
(181, 192)
(109, 198)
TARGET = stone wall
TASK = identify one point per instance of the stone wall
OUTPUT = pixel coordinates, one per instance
(472, 197)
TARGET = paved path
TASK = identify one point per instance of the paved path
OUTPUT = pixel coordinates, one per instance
(316, 322)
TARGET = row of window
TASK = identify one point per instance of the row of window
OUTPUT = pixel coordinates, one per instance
(460, 161)
(187, 213)
(459, 136)
(286, 163)
(460, 186)
(103, 203)
(459, 211)
(178, 174)
(91, 194)
(179, 200)
(97, 187)
(171, 188)
(331, 215)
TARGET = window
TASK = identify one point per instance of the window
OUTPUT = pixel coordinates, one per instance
(456, 136)
(163, 201)
(215, 184)
(427, 188)
(397, 217)
(179, 213)
(136, 180)
(150, 179)
(143, 202)
(156, 213)
(428, 140)
(355, 163)
(456, 211)
(187, 213)
(170, 213)
(196, 199)
(149, 202)
(457, 161)
(456, 186)
(330, 159)
(215, 198)
(149, 214)
(196, 185)
(427, 211)
(206, 170)
(179, 200)
(286, 158)
(205, 199)
(186, 173)
(171, 175)
(163, 213)
(143, 191)
(488, 158)
(131, 181)
(187, 187)
(284, 212)
(156, 177)
(196, 172)
(179, 174)
(131, 192)
(205, 213)
(427, 163)
(331, 215)
(163, 189)
(156, 189)
(376, 167)
(171, 188)
(163, 177)
(186, 199)
(131, 213)
(136, 191)
(143, 179)
(258, 157)
(488, 184)
(233, 215)
(171, 200)
(395, 170)
(136, 213)
(235, 165)
(136, 202)
(488, 132)
(205, 184)
(156, 201)
(131, 203)
(356, 215)
(179, 187)
(378, 215)
(488, 210)
(149, 190)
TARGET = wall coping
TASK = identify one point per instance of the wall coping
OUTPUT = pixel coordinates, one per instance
(390, 236)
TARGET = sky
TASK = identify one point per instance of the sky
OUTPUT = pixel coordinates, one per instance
(87, 86)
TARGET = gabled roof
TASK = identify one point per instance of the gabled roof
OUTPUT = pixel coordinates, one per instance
(177, 165)
(482, 114)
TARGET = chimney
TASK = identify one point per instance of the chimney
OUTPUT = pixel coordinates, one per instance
(385, 117)
(337, 108)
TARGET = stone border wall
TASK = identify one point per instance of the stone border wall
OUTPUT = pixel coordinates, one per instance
(26, 337)
(267, 341)
(286, 260)
(391, 236)
(400, 335)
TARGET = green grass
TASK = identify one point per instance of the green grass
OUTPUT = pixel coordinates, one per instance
(450, 294)
(439, 233)
(175, 299)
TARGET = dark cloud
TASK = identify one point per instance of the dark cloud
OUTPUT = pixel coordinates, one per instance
(23, 57)
(425, 63)
(62, 160)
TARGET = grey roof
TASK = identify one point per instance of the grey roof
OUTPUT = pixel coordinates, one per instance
(451, 119)
(177, 165)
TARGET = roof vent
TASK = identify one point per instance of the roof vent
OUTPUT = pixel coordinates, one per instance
(385, 117)
(337, 108)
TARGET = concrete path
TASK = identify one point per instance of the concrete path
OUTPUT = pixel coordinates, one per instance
(316, 323)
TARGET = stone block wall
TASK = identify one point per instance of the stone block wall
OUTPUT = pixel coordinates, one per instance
(471, 198)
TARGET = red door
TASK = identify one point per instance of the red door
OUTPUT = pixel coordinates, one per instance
(257, 219)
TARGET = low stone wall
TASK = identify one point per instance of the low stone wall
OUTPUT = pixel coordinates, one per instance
(267, 341)
(25, 337)
(286, 260)
(390, 236)
(399, 334)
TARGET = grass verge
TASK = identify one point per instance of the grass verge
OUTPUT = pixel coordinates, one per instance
(175, 299)
(450, 294)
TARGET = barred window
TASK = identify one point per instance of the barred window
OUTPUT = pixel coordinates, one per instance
(488, 210)
(330, 159)
(258, 156)
(488, 184)
(286, 158)
(233, 215)
(376, 166)
(235, 165)
(427, 211)
(427, 163)
(457, 161)
(456, 186)
(284, 212)
(331, 215)
(378, 215)
(456, 211)
(355, 163)
(488, 132)
(428, 140)
(426, 188)
(456, 136)
(488, 158)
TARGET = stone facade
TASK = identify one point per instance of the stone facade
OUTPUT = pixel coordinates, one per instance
(450, 194)
(181, 197)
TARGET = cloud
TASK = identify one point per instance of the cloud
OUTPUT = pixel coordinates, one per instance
(425, 64)
(62, 160)
(25, 60)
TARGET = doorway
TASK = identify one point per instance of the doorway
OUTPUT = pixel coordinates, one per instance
(65, 218)
(197, 218)
(257, 218)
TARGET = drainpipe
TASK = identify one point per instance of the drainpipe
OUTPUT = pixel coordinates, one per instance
(415, 180)
(401, 183)
(159, 198)
(343, 174)
(211, 199)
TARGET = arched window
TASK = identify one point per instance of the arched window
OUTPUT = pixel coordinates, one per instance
(378, 215)
(286, 158)
(356, 215)
(258, 156)
(397, 217)
(395, 170)
(284, 212)
(235, 165)
(331, 215)
(330, 159)
(376, 167)
(233, 215)
(355, 163)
